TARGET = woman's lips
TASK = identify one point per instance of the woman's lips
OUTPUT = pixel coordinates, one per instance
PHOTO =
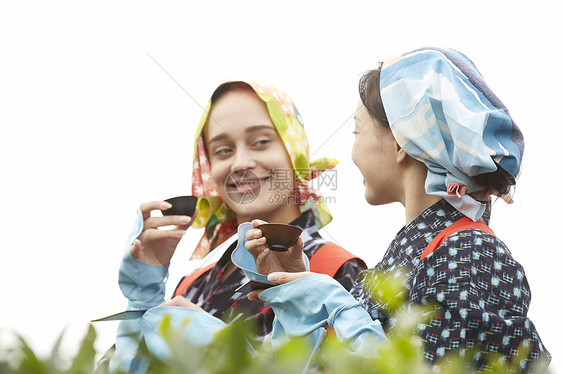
(245, 186)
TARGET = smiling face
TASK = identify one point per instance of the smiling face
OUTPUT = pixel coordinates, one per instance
(244, 148)
(375, 154)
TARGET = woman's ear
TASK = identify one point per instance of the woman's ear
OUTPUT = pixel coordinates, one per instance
(401, 155)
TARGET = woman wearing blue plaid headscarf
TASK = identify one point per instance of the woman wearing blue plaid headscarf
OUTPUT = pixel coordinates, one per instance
(431, 135)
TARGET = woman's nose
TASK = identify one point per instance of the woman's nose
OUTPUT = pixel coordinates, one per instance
(242, 160)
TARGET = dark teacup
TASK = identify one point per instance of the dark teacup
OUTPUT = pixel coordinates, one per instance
(280, 237)
(181, 206)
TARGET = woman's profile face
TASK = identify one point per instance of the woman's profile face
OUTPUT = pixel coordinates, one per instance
(249, 162)
(374, 153)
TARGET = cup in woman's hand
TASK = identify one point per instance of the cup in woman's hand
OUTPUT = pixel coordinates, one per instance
(181, 206)
(280, 237)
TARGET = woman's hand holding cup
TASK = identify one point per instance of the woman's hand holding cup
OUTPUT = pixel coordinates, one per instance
(155, 246)
(268, 261)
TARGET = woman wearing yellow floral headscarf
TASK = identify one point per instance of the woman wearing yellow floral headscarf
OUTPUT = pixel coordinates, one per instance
(285, 119)
(250, 162)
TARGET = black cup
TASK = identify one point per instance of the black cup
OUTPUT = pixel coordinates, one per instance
(181, 206)
(280, 237)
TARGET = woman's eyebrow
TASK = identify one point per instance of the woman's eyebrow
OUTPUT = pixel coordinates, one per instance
(218, 138)
(250, 129)
(259, 127)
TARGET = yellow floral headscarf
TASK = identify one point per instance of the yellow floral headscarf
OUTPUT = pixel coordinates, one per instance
(213, 214)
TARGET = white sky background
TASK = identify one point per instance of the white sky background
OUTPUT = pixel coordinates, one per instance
(91, 127)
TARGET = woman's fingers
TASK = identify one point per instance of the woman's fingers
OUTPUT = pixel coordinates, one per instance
(253, 234)
(135, 248)
(155, 222)
(149, 206)
(296, 250)
(254, 295)
(278, 278)
(282, 278)
(256, 243)
(182, 302)
(259, 250)
(155, 234)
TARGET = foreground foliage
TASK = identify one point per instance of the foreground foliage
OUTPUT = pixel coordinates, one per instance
(229, 353)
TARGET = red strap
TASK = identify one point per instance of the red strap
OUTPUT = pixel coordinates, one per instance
(462, 224)
(329, 258)
(189, 279)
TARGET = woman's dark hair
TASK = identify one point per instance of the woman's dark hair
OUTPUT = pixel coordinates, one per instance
(498, 182)
(228, 87)
(370, 94)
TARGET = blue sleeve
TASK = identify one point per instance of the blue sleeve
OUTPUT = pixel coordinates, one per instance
(142, 284)
(197, 327)
(144, 287)
(305, 305)
(199, 331)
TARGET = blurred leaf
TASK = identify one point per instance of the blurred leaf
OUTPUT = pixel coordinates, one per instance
(293, 356)
(55, 358)
(235, 350)
(83, 362)
(30, 363)
(387, 289)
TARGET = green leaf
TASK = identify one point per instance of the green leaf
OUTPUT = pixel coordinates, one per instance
(83, 362)
(230, 350)
(30, 363)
